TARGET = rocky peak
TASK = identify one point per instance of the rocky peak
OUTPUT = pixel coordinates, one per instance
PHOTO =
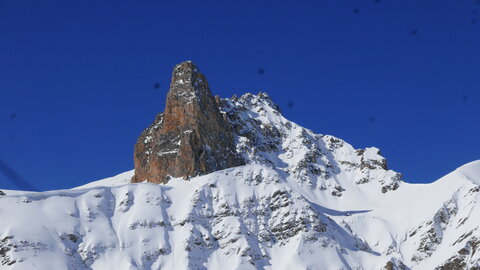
(190, 138)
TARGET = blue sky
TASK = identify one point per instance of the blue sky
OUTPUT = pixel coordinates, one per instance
(77, 77)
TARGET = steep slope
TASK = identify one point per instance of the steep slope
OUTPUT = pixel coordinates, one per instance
(190, 138)
(302, 201)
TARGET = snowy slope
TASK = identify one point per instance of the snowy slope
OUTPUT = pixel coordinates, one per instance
(303, 201)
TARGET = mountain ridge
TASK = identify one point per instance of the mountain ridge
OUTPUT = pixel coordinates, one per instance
(471, 171)
(302, 201)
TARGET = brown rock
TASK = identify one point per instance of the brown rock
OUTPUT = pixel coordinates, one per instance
(190, 138)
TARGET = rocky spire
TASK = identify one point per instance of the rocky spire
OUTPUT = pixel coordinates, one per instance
(190, 138)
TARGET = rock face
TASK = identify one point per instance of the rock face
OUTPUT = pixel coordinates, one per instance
(190, 138)
(303, 201)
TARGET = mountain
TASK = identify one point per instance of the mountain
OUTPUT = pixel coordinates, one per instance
(287, 199)
(190, 138)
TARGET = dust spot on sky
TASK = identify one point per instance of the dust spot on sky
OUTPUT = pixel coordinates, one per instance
(414, 32)
(465, 98)
(356, 10)
(13, 116)
(290, 104)
(156, 85)
(372, 119)
(261, 71)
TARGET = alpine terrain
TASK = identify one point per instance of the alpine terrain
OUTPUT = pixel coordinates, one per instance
(229, 183)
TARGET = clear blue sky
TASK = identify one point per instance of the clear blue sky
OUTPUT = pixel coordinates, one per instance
(77, 77)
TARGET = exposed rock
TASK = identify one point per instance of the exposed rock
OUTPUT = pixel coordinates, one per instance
(2, 193)
(463, 257)
(305, 198)
(395, 264)
(433, 231)
(190, 138)
(372, 159)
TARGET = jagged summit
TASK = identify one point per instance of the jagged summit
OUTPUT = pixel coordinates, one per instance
(188, 85)
(190, 138)
(302, 201)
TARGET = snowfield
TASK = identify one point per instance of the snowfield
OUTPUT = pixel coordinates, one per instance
(303, 201)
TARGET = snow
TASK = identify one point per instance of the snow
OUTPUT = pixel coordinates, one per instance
(303, 201)
(372, 153)
(471, 171)
(120, 179)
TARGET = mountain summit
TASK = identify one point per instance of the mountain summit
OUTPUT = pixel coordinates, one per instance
(190, 138)
(265, 193)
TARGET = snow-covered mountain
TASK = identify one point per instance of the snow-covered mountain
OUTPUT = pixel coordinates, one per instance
(302, 201)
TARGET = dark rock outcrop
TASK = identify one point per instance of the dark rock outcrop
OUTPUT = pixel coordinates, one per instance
(190, 138)
(395, 264)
